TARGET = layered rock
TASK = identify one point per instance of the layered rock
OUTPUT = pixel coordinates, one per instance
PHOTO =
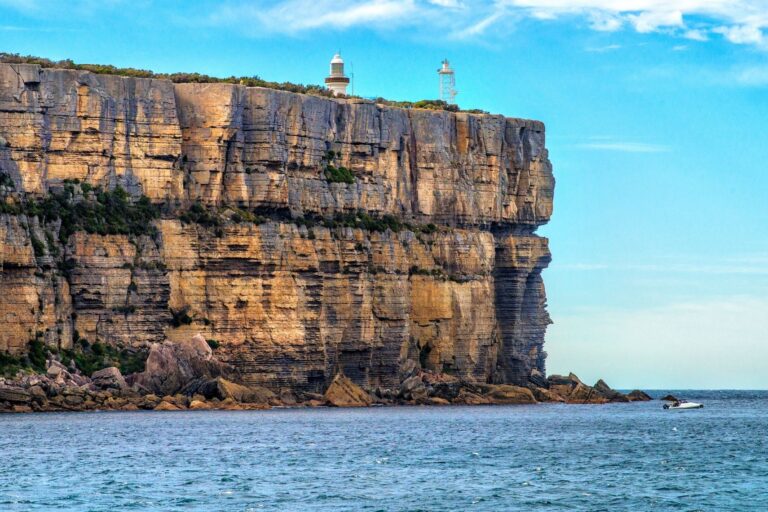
(289, 306)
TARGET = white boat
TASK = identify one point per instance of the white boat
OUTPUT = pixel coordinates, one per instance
(681, 405)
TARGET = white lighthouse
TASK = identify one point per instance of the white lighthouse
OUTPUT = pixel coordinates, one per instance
(337, 81)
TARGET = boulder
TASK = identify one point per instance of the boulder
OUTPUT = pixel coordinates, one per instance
(166, 406)
(670, 398)
(109, 378)
(344, 393)
(56, 369)
(508, 394)
(611, 394)
(583, 394)
(37, 393)
(638, 396)
(223, 389)
(413, 388)
(199, 405)
(14, 394)
(172, 366)
(538, 379)
(468, 397)
(545, 395)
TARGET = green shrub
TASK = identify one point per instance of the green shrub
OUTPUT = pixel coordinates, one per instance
(181, 317)
(214, 344)
(9, 365)
(199, 214)
(38, 246)
(338, 175)
(6, 181)
(36, 353)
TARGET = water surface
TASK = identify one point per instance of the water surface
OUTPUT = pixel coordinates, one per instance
(545, 457)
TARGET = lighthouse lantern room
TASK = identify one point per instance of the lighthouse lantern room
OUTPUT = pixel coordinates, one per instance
(337, 81)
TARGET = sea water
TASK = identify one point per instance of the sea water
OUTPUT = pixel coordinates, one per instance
(545, 457)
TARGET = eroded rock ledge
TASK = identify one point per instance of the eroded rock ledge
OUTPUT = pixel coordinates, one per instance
(288, 304)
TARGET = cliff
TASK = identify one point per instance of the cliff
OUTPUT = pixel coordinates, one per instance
(427, 256)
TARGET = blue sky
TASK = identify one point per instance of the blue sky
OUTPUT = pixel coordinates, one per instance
(657, 125)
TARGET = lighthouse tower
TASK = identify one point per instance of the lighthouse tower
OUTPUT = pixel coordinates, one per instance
(337, 81)
(447, 83)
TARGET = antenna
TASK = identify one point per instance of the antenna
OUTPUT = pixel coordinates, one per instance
(352, 77)
(447, 83)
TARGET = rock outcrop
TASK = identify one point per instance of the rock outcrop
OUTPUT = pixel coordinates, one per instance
(288, 291)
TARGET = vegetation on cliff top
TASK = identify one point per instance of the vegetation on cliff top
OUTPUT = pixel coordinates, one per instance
(248, 81)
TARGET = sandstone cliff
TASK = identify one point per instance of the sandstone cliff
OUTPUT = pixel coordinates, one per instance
(290, 295)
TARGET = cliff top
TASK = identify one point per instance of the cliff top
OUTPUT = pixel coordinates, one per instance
(248, 81)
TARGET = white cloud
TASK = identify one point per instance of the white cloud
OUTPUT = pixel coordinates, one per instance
(743, 34)
(605, 22)
(625, 147)
(651, 21)
(301, 15)
(603, 49)
(696, 34)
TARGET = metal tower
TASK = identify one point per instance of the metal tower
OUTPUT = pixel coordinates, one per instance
(447, 83)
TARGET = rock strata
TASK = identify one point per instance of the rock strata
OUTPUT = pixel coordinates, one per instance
(429, 257)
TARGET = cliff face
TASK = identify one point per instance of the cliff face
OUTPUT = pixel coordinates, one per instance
(289, 301)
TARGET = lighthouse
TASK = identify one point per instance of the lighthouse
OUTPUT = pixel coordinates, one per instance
(337, 82)
(447, 83)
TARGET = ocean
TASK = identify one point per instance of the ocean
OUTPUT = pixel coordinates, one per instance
(545, 457)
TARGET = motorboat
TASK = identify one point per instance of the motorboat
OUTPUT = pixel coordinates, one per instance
(680, 405)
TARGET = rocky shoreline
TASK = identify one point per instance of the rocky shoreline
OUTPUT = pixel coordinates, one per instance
(187, 376)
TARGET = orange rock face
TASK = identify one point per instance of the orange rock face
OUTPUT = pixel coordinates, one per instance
(288, 304)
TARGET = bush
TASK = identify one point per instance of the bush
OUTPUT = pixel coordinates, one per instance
(6, 181)
(199, 214)
(181, 317)
(38, 246)
(36, 353)
(214, 344)
(338, 175)
(9, 365)
(112, 212)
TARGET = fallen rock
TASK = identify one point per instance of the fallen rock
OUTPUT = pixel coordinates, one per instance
(166, 406)
(583, 394)
(198, 405)
(611, 394)
(468, 397)
(639, 396)
(170, 366)
(508, 394)
(545, 395)
(225, 389)
(344, 393)
(14, 394)
(109, 378)
(413, 388)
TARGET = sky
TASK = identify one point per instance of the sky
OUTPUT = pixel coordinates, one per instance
(657, 126)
